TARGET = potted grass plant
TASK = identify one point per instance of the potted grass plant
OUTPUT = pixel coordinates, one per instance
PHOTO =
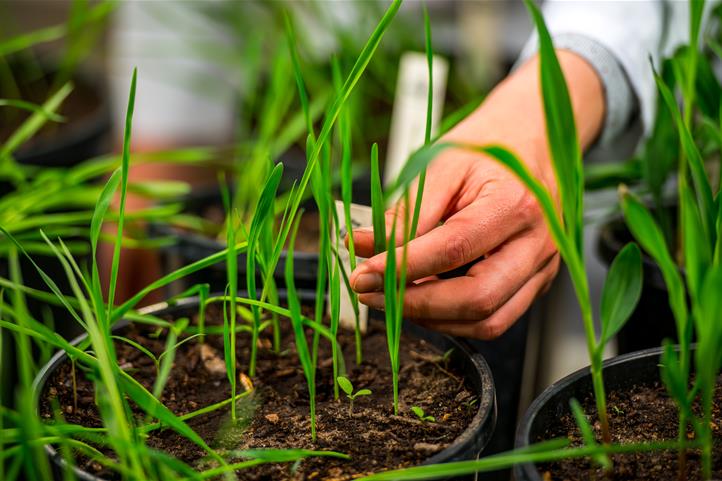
(649, 394)
(117, 401)
(689, 71)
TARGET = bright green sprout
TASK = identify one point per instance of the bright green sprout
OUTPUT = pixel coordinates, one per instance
(422, 415)
(346, 386)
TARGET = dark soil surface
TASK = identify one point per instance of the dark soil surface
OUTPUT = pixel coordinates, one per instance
(276, 415)
(642, 414)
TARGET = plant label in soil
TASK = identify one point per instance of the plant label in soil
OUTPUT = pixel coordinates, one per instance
(408, 121)
(360, 216)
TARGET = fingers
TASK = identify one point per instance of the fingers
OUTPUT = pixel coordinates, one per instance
(486, 286)
(498, 323)
(466, 236)
(468, 306)
(440, 187)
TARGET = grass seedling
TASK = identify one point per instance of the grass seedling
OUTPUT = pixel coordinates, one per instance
(347, 388)
(623, 284)
(304, 355)
(423, 417)
(261, 218)
(701, 241)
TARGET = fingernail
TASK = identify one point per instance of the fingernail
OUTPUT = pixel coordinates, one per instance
(368, 282)
(364, 230)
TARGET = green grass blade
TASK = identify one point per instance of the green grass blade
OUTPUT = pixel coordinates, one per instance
(429, 112)
(561, 131)
(33, 123)
(587, 432)
(378, 205)
(31, 107)
(294, 308)
(648, 234)
(694, 161)
(125, 165)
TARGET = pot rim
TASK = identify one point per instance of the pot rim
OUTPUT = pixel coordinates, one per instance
(486, 412)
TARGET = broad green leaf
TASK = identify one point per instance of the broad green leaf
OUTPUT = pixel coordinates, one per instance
(363, 392)
(648, 234)
(621, 291)
(561, 131)
(345, 385)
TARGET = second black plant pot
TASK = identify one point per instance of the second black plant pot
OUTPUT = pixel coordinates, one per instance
(620, 373)
(463, 359)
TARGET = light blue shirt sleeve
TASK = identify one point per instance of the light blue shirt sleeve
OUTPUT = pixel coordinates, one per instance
(619, 39)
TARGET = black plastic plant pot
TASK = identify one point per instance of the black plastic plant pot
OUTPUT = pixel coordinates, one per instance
(189, 247)
(463, 360)
(620, 373)
(652, 320)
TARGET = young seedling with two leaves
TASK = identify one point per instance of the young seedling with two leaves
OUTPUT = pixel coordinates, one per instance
(419, 412)
(346, 386)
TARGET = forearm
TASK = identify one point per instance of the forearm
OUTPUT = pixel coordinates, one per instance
(513, 112)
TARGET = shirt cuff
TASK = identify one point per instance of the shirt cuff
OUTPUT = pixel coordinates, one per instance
(620, 101)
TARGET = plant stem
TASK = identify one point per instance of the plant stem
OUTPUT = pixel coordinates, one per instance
(75, 385)
(682, 452)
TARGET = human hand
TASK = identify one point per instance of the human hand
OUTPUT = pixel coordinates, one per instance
(475, 211)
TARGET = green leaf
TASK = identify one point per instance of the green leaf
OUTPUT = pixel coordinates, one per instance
(418, 411)
(561, 131)
(137, 346)
(294, 308)
(621, 291)
(31, 107)
(30, 127)
(363, 392)
(416, 163)
(697, 251)
(125, 166)
(156, 409)
(648, 234)
(345, 384)
(378, 206)
(671, 374)
(694, 161)
(96, 224)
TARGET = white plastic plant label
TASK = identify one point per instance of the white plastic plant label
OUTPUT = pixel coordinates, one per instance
(408, 121)
(360, 216)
